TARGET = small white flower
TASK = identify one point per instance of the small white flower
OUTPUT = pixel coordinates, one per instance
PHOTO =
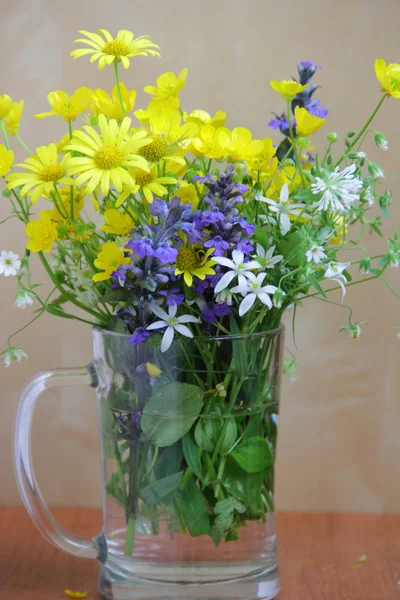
(381, 141)
(22, 299)
(283, 209)
(339, 189)
(9, 263)
(368, 196)
(172, 323)
(361, 154)
(266, 258)
(88, 297)
(238, 268)
(315, 253)
(224, 297)
(13, 354)
(253, 288)
(334, 272)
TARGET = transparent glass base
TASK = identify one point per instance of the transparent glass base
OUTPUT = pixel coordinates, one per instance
(204, 582)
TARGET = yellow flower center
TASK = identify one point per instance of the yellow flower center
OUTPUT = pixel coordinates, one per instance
(142, 177)
(108, 158)
(116, 48)
(187, 259)
(51, 173)
(156, 150)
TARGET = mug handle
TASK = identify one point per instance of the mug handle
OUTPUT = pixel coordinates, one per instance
(25, 475)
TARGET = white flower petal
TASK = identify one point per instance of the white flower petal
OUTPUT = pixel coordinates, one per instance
(265, 299)
(157, 325)
(167, 339)
(246, 304)
(224, 281)
(183, 330)
(238, 257)
(225, 262)
(187, 319)
(158, 311)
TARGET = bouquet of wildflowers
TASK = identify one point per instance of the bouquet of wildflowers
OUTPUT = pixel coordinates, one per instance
(166, 225)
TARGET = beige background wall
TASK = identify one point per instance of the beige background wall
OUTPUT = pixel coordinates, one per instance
(339, 446)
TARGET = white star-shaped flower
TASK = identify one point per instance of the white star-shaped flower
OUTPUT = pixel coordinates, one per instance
(252, 289)
(283, 209)
(237, 268)
(172, 324)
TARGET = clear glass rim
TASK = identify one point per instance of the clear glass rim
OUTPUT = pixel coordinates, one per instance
(238, 336)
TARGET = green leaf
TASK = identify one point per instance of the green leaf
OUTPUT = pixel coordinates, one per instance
(169, 461)
(261, 236)
(191, 452)
(193, 507)
(158, 490)
(114, 490)
(57, 311)
(171, 412)
(253, 455)
(244, 486)
(312, 279)
(291, 247)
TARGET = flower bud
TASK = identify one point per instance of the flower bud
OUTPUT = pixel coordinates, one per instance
(365, 265)
(6, 193)
(302, 142)
(94, 120)
(332, 137)
(381, 141)
(278, 298)
(375, 171)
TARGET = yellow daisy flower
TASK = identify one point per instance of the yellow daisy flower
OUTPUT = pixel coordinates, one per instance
(148, 183)
(6, 160)
(193, 262)
(108, 260)
(62, 143)
(306, 123)
(187, 194)
(42, 233)
(106, 156)
(155, 108)
(65, 106)
(287, 89)
(114, 50)
(13, 118)
(42, 172)
(6, 104)
(238, 144)
(169, 137)
(111, 107)
(201, 117)
(389, 77)
(207, 143)
(117, 222)
(168, 84)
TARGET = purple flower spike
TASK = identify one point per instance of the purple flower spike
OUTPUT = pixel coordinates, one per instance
(218, 244)
(165, 254)
(173, 296)
(141, 247)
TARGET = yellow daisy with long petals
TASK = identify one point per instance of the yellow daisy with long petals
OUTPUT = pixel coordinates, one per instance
(288, 89)
(117, 222)
(168, 84)
(102, 103)
(107, 156)
(147, 183)
(108, 50)
(193, 262)
(65, 106)
(42, 172)
(42, 233)
(202, 117)
(108, 260)
(6, 160)
(306, 123)
(389, 77)
(169, 137)
(13, 118)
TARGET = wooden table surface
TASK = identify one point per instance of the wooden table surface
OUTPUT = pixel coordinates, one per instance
(318, 555)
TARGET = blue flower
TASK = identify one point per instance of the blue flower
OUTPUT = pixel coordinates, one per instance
(139, 336)
(172, 296)
(214, 310)
(219, 245)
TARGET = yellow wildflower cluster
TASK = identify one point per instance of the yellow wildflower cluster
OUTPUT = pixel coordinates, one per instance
(11, 113)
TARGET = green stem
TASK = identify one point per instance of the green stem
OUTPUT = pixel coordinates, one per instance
(119, 89)
(66, 294)
(120, 472)
(363, 130)
(130, 535)
(24, 327)
(25, 147)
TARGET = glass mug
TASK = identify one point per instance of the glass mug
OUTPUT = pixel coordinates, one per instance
(188, 444)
